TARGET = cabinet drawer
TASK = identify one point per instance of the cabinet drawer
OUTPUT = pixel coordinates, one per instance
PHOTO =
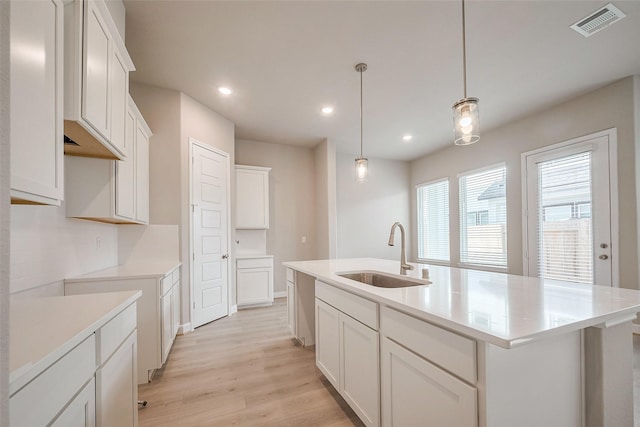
(111, 335)
(448, 350)
(361, 309)
(37, 403)
(291, 275)
(175, 277)
(166, 283)
(254, 262)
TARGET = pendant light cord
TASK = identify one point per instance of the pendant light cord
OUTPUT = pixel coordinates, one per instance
(361, 127)
(464, 52)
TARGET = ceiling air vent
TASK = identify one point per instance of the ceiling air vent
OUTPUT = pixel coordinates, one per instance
(598, 20)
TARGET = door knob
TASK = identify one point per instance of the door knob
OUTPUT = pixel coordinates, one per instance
(604, 245)
(225, 256)
(603, 257)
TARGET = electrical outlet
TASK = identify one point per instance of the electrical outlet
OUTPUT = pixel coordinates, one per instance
(303, 239)
(98, 242)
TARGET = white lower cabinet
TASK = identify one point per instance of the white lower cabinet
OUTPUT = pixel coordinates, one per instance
(254, 281)
(158, 307)
(93, 384)
(417, 393)
(117, 387)
(428, 374)
(81, 412)
(347, 349)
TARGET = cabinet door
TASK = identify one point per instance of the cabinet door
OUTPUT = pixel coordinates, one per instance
(359, 382)
(36, 49)
(125, 174)
(328, 342)
(415, 392)
(254, 286)
(81, 412)
(291, 308)
(95, 90)
(252, 199)
(118, 90)
(175, 309)
(167, 338)
(117, 387)
(142, 174)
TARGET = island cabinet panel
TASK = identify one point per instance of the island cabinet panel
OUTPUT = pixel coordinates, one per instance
(300, 307)
(347, 349)
(417, 393)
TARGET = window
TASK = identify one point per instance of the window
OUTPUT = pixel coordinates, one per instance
(433, 221)
(483, 218)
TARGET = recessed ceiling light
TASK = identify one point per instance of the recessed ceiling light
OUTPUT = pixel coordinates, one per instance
(225, 90)
(407, 137)
(327, 110)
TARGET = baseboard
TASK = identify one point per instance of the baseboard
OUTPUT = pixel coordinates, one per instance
(234, 309)
(184, 329)
(280, 294)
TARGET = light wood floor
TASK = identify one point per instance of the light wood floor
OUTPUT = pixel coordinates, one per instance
(242, 370)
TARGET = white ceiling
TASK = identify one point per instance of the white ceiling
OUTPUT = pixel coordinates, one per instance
(286, 59)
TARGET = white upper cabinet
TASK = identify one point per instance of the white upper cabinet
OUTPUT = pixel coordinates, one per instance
(115, 191)
(97, 68)
(252, 197)
(36, 49)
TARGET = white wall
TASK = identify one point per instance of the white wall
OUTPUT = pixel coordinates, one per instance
(366, 211)
(47, 247)
(292, 201)
(161, 110)
(326, 217)
(611, 106)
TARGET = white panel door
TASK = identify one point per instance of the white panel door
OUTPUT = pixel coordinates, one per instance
(568, 193)
(119, 89)
(417, 393)
(328, 342)
(81, 412)
(209, 198)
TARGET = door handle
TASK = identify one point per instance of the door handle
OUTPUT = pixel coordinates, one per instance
(225, 256)
(603, 257)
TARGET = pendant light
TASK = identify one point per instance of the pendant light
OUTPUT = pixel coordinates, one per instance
(362, 164)
(466, 116)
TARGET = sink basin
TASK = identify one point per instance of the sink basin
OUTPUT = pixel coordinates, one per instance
(383, 280)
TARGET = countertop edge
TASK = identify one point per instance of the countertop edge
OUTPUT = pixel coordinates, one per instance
(110, 273)
(24, 376)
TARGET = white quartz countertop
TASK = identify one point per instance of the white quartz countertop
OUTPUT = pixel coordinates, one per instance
(502, 309)
(128, 271)
(44, 329)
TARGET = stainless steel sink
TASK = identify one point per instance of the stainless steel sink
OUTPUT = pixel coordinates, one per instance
(383, 280)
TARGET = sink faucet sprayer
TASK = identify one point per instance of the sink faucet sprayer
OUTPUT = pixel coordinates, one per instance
(403, 261)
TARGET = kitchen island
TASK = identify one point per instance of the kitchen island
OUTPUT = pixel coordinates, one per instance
(472, 348)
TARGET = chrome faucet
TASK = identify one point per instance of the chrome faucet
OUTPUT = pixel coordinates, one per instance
(403, 261)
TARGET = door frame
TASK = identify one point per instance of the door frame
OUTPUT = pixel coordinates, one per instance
(612, 137)
(193, 142)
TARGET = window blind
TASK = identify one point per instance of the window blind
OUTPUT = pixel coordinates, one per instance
(483, 218)
(565, 235)
(433, 221)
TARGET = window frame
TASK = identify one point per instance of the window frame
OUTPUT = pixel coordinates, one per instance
(473, 265)
(419, 218)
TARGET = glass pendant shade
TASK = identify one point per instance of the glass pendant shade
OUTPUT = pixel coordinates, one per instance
(466, 121)
(362, 169)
